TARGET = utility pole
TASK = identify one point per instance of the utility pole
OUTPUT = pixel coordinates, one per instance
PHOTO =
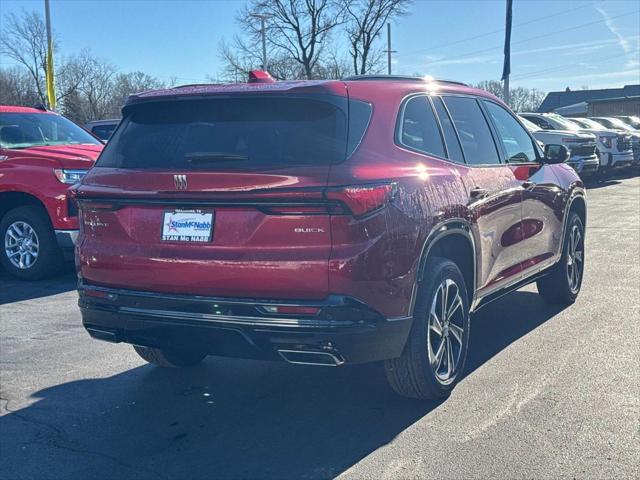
(51, 91)
(388, 50)
(263, 33)
(506, 69)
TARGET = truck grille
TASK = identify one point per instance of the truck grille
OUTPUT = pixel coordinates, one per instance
(624, 143)
(584, 150)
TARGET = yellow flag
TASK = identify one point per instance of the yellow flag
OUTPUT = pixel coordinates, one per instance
(51, 88)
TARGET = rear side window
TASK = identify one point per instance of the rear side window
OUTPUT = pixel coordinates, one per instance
(419, 128)
(516, 141)
(231, 133)
(473, 130)
(450, 136)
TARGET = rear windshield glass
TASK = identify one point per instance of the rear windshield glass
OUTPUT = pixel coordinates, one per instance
(229, 133)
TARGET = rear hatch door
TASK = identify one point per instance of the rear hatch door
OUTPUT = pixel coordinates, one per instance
(219, 196)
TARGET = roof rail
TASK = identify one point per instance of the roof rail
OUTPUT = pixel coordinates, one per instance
(401, 77)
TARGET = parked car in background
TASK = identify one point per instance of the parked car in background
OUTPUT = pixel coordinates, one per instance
(322, 222)
(103, 129)
(582, 146)
(630, 120)
(629, 133)
(41, 155)
(613, 147)
(618, 124)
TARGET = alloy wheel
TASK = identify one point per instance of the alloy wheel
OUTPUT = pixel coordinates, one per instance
(445, 331)
(575, 259)
(21, 245)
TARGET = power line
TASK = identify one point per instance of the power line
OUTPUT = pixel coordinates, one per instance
(500, 30)
(490, 49)
(559, 69)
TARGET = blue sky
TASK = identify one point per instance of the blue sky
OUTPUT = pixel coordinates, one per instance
(555, 43)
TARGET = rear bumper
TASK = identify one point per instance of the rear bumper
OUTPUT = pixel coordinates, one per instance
(345, 329)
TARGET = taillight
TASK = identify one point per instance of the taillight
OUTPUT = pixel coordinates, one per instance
(363, 199)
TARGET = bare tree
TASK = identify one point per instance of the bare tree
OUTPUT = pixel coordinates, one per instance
(295, 29)
(17, 87)
(24, 40)
(239, 60)
(521, 99)
(365, 20)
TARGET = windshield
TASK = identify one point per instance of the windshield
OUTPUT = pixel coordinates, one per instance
(565, 123)
(615, 123)
(593, 123)
(532, 127)
(229, 133)
(24, 130)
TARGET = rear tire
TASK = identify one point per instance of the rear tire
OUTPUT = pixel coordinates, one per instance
(562, 285)
(41, 257)
(433, 358)
(170, 358)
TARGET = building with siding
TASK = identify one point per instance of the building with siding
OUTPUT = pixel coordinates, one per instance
(601, 102)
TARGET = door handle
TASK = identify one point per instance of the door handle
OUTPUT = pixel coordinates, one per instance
(528, 185)
(478, 193)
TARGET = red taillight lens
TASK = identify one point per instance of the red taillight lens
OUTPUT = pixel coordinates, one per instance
(363, 199)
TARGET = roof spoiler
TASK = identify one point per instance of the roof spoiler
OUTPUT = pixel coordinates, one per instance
(260, 76)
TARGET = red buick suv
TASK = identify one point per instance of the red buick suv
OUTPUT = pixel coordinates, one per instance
(322, 223)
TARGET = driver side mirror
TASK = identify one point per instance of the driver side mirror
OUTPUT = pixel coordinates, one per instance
(556, 154)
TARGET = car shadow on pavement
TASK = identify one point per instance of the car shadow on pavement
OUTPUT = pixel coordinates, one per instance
(14, 290)
(231, 418)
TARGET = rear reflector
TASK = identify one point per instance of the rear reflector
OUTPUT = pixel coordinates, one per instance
(363, 199)
(290, 310)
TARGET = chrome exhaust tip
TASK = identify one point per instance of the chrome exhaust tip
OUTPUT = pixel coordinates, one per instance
(310, 357)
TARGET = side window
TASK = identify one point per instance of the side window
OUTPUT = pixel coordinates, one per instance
(540, 122)
(419, 128)
(473, 130)
(450, 136)
(515, 139)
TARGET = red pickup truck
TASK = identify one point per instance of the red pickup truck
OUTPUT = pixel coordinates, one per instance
(41, 155)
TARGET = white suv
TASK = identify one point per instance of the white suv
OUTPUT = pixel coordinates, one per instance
(614, 148)
(582, 146)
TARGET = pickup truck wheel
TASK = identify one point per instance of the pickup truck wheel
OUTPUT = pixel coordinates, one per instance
(433, 358)
(172, 358)
(29, 247)
(562, 285)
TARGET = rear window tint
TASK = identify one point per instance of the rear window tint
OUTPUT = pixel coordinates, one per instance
(229, 133)
(473, 130)
(450, 136)
(419, 128)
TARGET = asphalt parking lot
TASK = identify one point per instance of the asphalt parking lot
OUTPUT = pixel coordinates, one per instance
(548, 393)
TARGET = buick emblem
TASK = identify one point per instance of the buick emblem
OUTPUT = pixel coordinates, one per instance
(180, 181)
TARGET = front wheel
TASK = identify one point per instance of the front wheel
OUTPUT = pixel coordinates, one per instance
(562, 285)
(433, 358)
(29, 247)
(173, 358)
